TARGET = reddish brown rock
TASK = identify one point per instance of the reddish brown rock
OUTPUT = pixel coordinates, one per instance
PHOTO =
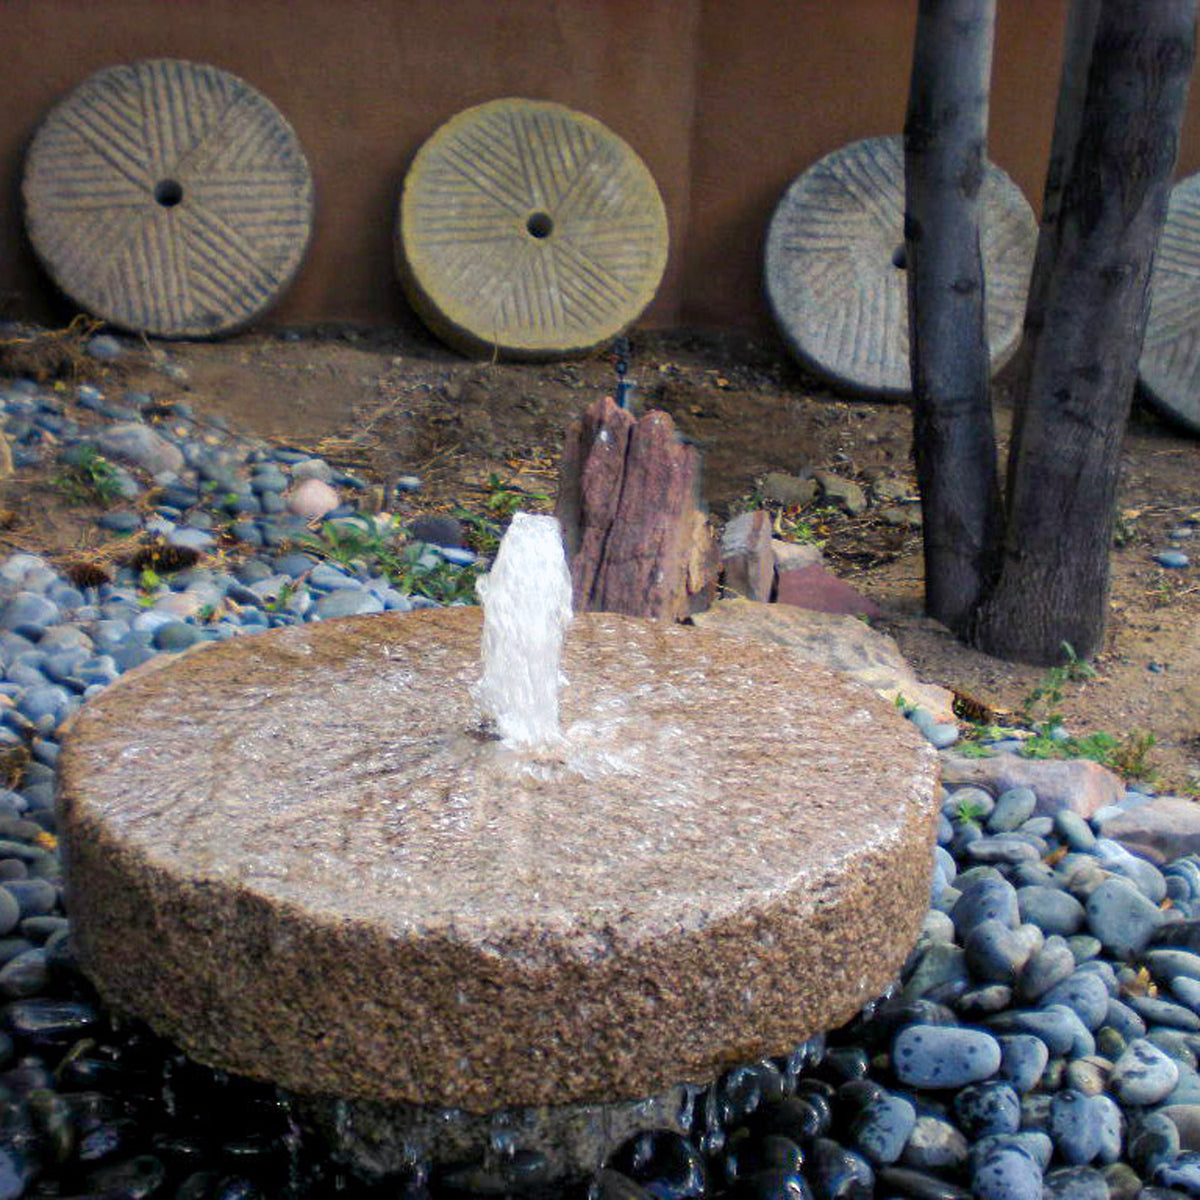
(628, 503)
(818, 588)
(747, 557)
(1162, 829)
(297, 856)
(1075, 783)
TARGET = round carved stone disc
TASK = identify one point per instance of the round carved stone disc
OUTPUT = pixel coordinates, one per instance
(835, 276)
(1170, 363)
(168, 198)
(529, 230)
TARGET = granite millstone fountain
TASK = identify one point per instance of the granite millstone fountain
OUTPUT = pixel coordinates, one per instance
(311, 858)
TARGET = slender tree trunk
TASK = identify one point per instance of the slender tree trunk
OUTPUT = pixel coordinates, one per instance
(1068, 116)
(945, 156)
(1090, 302)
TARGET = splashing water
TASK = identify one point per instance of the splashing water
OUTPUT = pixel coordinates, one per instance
(526, 601)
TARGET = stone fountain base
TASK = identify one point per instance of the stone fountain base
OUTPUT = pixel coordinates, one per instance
(299, 856)
(512, 1150)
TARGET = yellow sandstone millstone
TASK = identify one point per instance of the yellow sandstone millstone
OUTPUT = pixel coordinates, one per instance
(529, 230)
(169, 198)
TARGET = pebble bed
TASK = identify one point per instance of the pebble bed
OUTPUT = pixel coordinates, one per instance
(1042, 1040)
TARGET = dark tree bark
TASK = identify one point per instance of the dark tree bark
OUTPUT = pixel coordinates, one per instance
(945, 155)
(1114, 151)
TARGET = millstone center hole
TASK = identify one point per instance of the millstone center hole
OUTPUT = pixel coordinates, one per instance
(900, 257)
(168, 193)
(539, 225)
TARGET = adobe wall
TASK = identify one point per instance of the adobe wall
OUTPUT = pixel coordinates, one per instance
(725, 101)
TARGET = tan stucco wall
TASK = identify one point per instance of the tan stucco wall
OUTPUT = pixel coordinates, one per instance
(725, 101)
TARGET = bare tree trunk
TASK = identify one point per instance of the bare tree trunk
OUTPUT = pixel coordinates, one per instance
(1068, 116)
(1091, 299)
(945, 156)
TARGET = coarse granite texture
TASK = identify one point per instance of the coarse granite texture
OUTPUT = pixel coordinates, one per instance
(300, 856)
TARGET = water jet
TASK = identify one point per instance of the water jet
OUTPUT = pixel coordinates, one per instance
(301, 856)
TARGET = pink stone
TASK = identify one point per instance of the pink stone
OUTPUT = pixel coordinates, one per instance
(312, 498)
(1078, 784)
(1160, 830)
(819, 588)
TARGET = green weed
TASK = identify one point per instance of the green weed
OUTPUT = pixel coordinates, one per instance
(968, 810)
(374, 543)
(1048, 693)
(88, 478)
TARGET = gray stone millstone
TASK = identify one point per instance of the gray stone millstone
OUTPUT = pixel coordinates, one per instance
(169, 198)
(1169, 368)
(833, 276)
(644, 928)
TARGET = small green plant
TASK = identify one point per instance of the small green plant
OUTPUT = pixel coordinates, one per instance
(1128, 756)
(1099, 747)
(483, 533)
(346, 541)
(976, 734)
(974, 750)
(89, 478)
(1125, 528)
(286, 592)
(969, 811)
(412, 569)
(502, 500)
(1048, 694)
(1131, 756)
(149, 582)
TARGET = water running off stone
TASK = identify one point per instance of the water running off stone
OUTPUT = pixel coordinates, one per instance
(526, 600)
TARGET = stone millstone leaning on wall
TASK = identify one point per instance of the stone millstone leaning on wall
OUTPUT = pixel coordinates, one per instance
(835, 269)
(528, 230)
(169, 198)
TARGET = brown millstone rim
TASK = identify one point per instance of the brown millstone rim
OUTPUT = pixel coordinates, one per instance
(257, 865)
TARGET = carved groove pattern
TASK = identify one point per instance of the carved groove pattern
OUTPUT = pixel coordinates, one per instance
(1170, 362)
(169, 198)
(832, 282)
(470, 244)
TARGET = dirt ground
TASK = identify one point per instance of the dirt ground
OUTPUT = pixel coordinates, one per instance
(383, 404)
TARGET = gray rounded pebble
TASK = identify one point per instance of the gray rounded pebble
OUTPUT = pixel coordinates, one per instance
(882, 1129)
(1075, 1183)
(1156, 1011)
(10, 911)
(1023, 1058)
(1074, 1126)
(1007, 1174)
(1143, 1074)
(1051, 909)
(935, 1143)
(1084, 993)
(994, 952)
(176, 635)
(1122, 918)
(1049, 966)
(987, 899)
(1013, 808)
(936, 1056)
